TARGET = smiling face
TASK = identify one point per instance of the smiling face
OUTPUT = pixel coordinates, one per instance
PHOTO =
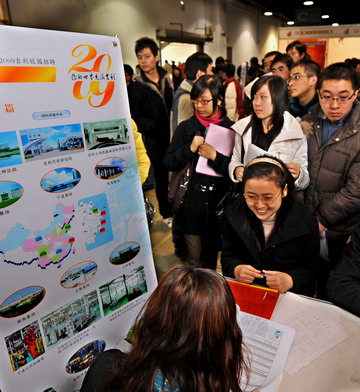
(335, 110)
(263, 197)
(262, 103)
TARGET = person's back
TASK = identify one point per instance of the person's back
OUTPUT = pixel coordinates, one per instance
(172, 351)
(234, 102)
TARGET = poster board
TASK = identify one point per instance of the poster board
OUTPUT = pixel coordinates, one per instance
(75, 254)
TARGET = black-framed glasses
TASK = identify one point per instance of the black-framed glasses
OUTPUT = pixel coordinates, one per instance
(203, 102)
(329, 99)
(295, 78)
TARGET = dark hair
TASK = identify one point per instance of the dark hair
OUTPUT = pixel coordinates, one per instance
(219, 61)
(215, 86)
(279, 97)
(271, 53)
(188, 331)
(128, 69)
(195, 62)
(146, 42)
(282, 58)
(339, 71)
(299, 46)
(311, 68)
(229, 70)
(282, 178)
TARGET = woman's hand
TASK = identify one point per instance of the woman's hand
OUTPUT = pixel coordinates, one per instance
(239, 171)
(196, 143)
(294, 169)
(207, 151)
(279, 280)
(245, 273)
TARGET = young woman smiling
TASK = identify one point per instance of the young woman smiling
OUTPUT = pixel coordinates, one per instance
(268, 238)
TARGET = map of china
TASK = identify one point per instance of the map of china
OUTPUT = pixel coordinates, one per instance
(49, 246)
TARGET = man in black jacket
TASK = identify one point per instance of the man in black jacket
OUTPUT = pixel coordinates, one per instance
(344, 282)
(150, 99)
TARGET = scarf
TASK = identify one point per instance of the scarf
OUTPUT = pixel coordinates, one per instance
(206, 121)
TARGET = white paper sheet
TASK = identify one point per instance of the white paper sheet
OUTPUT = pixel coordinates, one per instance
(268, 343)
(317, 330)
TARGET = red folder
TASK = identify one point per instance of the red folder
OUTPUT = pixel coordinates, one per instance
(256, 300)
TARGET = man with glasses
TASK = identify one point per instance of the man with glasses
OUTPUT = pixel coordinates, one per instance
(333, 130)
(302, 87)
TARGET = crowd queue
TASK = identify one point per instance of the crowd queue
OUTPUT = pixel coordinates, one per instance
(283, 209)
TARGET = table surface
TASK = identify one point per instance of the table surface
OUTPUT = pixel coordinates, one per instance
(338, 369)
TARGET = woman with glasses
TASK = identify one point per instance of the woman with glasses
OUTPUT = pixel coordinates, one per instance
(271, 129)
(196, 216)
(269, 238)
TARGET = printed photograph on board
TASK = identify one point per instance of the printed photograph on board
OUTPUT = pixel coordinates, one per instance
(22, 301)
(124, 253)
(51, 142)
(110, 168)
(70, 319)
(10, 193)
(60, 180)
(24, 345)
(122, 290)
(78, 274)
(9, 149)
(84, 357)
(106, 133)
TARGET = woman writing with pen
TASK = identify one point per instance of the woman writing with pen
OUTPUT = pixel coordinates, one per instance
(269, 238)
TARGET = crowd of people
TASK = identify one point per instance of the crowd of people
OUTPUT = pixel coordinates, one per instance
(293, 223)
(301, 119)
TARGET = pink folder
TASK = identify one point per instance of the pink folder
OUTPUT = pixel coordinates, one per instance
(222, 139)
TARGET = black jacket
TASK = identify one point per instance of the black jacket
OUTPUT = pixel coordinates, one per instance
(150, 107)
(344, 282)
(198, 207)
(293, 248)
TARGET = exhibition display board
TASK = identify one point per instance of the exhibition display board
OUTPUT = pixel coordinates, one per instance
(75, 254)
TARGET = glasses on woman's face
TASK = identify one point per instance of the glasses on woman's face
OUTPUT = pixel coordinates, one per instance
(328, 99)
(267, 199)
(202, 101)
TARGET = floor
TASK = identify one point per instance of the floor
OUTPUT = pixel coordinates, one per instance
(161, 241)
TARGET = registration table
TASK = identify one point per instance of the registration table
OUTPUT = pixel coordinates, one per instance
(319, 325)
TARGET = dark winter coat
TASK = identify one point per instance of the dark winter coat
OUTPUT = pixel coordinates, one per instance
(198, 208)
(293, 247)
(344, 282)
(150, 107)
(333, 194)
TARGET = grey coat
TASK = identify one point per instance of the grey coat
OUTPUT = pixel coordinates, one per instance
(333, 194)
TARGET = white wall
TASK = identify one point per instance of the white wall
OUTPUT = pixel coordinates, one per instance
(232, 25)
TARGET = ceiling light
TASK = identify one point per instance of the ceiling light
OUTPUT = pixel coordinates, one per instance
(325, 16)
(182, 3)
(335, 24)
(290, 22)
(268, 13)
(308, 3)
